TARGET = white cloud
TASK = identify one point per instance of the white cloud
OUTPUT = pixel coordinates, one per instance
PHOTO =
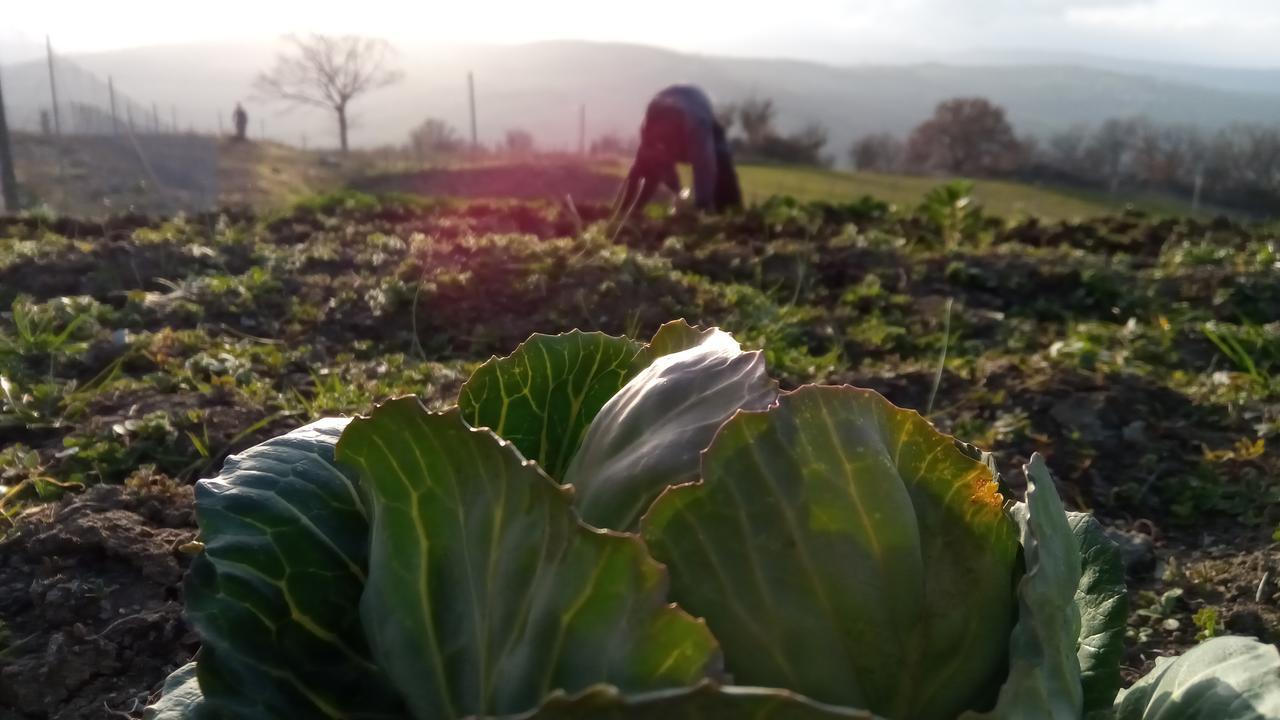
(1179, 16)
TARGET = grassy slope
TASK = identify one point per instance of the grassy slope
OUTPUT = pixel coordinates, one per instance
(269, 175)
(1002, 198)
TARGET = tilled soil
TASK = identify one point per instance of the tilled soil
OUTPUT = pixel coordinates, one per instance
(90, 588)
(525, 180)
(91, 602)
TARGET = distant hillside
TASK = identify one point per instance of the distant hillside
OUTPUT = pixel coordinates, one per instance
(1264, 81)
(539, 87)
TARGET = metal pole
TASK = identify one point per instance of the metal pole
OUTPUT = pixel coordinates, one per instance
(8, 178)
(115, 120)
(220, 133)
(471, 94)
(53, 86)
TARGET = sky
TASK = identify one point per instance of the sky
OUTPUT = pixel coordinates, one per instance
(1217, 32)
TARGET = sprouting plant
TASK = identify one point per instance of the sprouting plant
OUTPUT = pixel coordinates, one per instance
(48, 404)
(1233, 350)
(1206, 619)
(1253, 349)
(331, 392)
(952, 210)
(39, 331)
(24, 475)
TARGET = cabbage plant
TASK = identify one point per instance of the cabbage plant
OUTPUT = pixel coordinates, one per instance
(603, 528)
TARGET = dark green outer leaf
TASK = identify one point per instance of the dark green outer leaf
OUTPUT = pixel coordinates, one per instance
(485, 592)
(842, 548)
(1102, 599)
(543, 396)
(1044, 672)
(275, 594)
(703, 702)
(651, 434)
(1226, 678)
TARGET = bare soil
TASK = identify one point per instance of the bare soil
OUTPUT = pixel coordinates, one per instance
(91, 602)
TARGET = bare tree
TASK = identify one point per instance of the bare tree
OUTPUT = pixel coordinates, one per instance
(1065, 150)
(878, 152)
(329, 72)
(757, 117)
(1113, 147)
(434, 137)
(809, 142)
(727, 115)
(1261, 164)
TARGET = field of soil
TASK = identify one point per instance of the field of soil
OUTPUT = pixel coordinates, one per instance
(527, 181)
(1140, 356)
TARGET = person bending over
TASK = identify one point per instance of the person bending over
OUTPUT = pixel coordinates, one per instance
(680, 126)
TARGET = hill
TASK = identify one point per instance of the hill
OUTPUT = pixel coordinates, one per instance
(540, 87)
(1259, 80)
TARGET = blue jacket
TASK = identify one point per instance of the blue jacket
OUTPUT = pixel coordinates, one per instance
(680, 126)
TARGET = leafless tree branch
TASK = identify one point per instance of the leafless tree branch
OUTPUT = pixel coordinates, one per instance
(328, 72)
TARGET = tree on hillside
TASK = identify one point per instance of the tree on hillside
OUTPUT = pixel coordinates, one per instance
(519, 142)
(803, 147)
(965, 136)
(1113, 147)
(878, 152)
(806, 145)
(1166, 156)
(329, 72)
(757, 117)
(727, 116)
(1064, 151)
(434, 137)
(1252, 153)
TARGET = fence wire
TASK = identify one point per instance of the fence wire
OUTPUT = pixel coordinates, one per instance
(98, 148)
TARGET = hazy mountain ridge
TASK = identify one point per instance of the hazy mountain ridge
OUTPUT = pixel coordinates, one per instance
(540, 86)
(1259, 80)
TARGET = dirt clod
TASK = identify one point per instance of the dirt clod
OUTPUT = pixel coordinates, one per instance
(90, 602)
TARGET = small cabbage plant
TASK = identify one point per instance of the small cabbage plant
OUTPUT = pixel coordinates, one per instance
(602, 528)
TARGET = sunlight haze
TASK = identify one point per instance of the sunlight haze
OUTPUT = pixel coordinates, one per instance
(1228, 32)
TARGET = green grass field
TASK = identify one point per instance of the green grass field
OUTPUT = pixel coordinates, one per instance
(1002, 198)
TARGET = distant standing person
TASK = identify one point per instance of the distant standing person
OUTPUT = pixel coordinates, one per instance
(680, 126)
(241, 120)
